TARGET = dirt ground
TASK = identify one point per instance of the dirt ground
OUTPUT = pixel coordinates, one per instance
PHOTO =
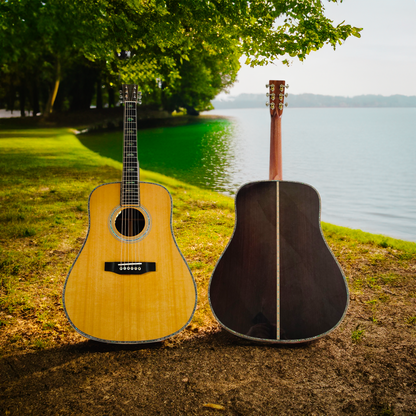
(188, 374)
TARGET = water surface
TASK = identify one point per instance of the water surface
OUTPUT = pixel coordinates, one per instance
(361, 160)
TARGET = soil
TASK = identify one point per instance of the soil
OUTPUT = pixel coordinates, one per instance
(367, 366)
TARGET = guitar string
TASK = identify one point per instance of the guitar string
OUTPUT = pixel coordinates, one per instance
(123, 219)
(135, 174)
(132, 169)
(123, 191)
(127, 180)
(129, 184)
(133, 183)
(129, 195)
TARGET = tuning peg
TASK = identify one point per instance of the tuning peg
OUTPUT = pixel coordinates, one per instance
(267, 104)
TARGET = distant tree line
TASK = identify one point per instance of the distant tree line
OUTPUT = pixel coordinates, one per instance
(69, 55)
(316, 100)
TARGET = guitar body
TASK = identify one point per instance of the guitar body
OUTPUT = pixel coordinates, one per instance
(129, 308)
(277, 281)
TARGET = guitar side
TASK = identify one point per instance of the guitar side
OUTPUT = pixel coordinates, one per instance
(130, 308)
(277, 280)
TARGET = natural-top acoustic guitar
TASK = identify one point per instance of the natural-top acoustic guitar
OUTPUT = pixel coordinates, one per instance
(277, 280)
(130, 282)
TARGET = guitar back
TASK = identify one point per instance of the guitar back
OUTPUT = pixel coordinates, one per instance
(277, 281)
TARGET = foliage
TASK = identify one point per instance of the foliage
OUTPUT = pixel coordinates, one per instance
(177, 42)
(357, 334)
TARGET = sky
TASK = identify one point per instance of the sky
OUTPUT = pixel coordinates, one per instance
(382, 61)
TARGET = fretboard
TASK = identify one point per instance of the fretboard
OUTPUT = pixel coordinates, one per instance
(130, 190)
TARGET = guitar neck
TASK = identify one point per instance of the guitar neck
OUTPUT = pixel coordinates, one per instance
(276, 96)
(275, 167)
(130, 189)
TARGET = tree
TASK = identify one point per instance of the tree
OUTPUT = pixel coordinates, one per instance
(201, 77)
(193, 46)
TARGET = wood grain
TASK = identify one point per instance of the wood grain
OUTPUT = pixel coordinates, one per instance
(275, 165)
(313, 289)
(243, 288)
(130, 308)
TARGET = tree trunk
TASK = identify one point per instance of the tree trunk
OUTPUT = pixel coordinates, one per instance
(111, 97)
(22, 99)
(35, 96)
(54, 91)
(99, 103)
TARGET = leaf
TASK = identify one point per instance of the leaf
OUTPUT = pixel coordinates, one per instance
(214, 406)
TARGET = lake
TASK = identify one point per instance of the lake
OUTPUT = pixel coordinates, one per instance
(361, 160)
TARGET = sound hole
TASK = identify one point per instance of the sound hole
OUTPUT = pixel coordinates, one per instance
(130, 222)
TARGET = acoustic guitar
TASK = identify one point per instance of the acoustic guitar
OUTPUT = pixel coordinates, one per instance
(277, 280)
(129, 283)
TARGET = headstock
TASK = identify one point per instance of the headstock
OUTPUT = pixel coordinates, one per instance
(276, 96)
(129, 92)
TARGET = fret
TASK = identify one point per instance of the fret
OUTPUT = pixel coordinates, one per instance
(130, 188)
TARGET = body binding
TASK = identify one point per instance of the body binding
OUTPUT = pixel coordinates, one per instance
(277, 280)
(129, 308)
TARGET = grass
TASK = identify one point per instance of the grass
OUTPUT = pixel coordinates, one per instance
(357, 334)
(46, 177)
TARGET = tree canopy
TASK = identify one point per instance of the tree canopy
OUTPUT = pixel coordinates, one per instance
(190, 47)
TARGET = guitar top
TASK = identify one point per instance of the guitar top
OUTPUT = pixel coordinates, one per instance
(277, 280)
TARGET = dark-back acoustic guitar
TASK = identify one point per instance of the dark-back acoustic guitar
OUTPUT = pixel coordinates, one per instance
(277, 280)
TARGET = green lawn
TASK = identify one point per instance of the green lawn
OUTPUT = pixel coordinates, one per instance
(46, 175)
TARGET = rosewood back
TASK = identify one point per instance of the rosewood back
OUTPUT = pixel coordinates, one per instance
(277, 280)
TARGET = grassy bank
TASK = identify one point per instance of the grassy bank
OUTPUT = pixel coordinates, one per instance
(46, 177)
